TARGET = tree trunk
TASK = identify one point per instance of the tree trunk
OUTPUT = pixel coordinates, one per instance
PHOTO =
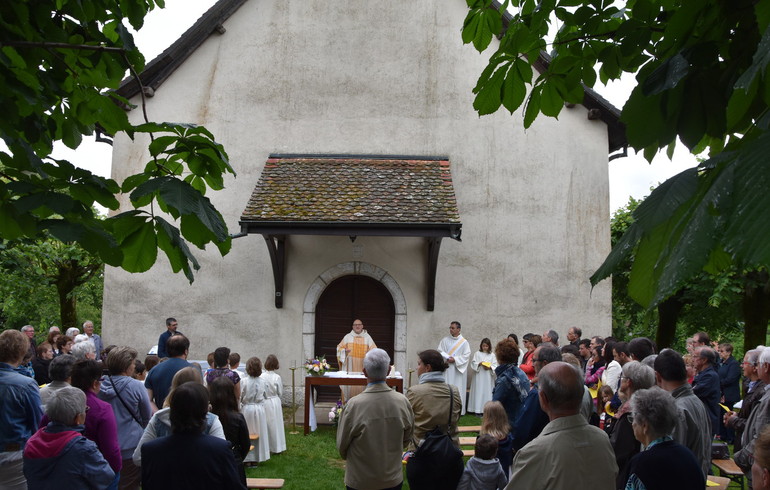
(66, 282)
(668, 314)
(756, 308)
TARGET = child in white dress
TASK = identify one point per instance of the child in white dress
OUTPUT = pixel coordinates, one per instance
(483, 365)
(253, 396)
(273, 409)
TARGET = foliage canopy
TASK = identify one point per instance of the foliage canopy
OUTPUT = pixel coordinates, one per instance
(703, 78)
(60, 62)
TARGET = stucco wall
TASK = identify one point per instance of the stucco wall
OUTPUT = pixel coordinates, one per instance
(358, 77)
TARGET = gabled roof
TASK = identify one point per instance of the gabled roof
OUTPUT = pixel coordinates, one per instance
(159, 69)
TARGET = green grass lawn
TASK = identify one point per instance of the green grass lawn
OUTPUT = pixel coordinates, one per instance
(312, 462)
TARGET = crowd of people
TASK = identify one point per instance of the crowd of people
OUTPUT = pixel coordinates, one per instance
(595, 412)
(84, 415)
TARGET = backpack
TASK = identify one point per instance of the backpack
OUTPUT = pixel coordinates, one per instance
(437, 463)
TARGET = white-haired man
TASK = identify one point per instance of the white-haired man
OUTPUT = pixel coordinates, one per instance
(374, 428)
(756, 388)
(29, 331)
(88, 329)
(759, 418)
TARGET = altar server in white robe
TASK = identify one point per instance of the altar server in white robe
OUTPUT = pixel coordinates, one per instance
(483, 368)
(457, 352)
(253, 396)
(273, 410)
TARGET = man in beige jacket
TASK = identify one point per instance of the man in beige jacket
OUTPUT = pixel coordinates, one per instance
(374, 428)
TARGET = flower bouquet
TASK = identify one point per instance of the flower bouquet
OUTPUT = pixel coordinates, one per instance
(334, 413)
(317, 366)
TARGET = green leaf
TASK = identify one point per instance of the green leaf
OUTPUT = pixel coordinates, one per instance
(488, 99)
(161, 143)
(176, 249)
(667, 75)
(533, 106)
(758, 65)
(140, 249)
(183, 197)
(551, 103)
(747, 228)
(13, 225)
(514, 89)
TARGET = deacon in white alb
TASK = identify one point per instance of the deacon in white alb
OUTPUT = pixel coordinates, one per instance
(457, 353)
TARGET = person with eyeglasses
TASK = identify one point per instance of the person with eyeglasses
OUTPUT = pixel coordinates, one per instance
(664, 463)
(532, 419)
(692, 428)
(756, 388)
(706, 384)
(636, 376)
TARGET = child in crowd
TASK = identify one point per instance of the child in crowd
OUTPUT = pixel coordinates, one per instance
(483, 471)
(234, 360)
(495, 423)
(221, 361)
(603, 407)
(225, 406)
(140, 372)
(253, 398)
(210, 360)
(151, 361)
(483, 366)
(273, 409)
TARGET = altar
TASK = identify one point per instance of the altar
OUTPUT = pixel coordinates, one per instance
(338, 378)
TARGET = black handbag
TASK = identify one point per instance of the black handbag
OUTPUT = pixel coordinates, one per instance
(437, 463)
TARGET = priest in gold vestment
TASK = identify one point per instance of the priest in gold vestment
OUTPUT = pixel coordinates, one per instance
(350, 355)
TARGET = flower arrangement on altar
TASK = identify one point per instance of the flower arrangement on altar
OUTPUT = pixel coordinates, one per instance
(334, 413)
(317, 366)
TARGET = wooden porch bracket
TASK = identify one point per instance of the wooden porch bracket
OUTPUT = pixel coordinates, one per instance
(434, 244)
(276, 246)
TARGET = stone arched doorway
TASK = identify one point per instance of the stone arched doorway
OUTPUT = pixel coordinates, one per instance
(344, 300)
(324, 280)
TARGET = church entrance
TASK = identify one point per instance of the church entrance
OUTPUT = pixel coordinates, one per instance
(344, 300)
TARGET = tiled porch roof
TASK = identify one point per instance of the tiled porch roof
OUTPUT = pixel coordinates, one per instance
(352, 190)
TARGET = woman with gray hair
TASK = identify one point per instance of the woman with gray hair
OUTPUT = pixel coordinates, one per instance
(58, 455)
(84, 350)
(131, 405)
(635, 376)
(663, 463)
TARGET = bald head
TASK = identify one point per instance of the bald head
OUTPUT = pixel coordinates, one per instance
(561, 389)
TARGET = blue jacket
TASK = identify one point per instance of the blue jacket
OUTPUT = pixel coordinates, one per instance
(531, 422)
(511, 389)
(59, 456)
(20, 407)
(729, 381)
(706, 387)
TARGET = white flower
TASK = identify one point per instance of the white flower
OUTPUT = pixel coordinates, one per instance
(315, 368)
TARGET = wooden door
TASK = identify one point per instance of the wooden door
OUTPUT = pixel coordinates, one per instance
(344, 300)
